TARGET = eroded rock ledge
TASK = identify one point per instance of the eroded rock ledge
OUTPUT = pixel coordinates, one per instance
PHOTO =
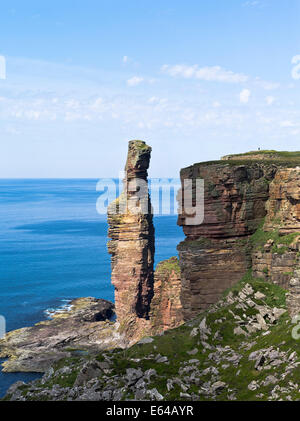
(85, 327)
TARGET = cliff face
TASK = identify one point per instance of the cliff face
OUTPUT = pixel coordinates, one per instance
(276, 255)
(215, 255)
(166, 308)
(132, 238)
(240, 193)
(234, 200)
(283, 207)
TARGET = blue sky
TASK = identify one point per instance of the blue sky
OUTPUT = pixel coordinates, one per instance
(195, 79)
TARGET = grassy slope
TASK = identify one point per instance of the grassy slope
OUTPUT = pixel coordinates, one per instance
(175, 344)
(270, 157)
(273, 153)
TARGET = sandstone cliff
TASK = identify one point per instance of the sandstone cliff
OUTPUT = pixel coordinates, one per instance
(276, 256)
(166, 308)
(241, 192)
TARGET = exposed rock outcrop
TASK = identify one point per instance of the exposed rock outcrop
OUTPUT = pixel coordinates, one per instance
(276, 256)
(215, 254)
(145, 303)
(132, 239)
(240, 191)
(166, 308)
(234, 201)
(283, 207)
(293, 297)
(276, 261)
(84, 328)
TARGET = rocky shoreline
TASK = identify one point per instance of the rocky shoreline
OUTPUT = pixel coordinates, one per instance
(86, 326)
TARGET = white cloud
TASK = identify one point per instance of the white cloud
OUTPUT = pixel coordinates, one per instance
(266, 85)
(296, 59)
(153, 99)
(2, 67)
(245, 96)
(125, 59)
(270, 100)
(287, 124)
(165, 111)
(12, 131)
(134, 81)
(296, 68)
(211, 74)
(72, 103)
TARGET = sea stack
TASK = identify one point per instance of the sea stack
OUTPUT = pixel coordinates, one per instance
(131, 246)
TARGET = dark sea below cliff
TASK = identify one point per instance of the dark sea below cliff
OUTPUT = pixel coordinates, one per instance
(53, 249)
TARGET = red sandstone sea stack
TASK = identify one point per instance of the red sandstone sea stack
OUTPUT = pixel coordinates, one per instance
(132, 238)
(145, 303)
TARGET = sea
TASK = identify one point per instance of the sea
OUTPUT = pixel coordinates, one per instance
(53, 249)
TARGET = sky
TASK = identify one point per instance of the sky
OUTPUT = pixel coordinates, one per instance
(195, 79)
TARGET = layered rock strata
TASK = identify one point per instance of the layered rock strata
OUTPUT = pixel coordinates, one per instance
(283, 207)
(215, 254)
(277, 257)
(145, 302)
(241, 192)
(166, 309)
(293, 297)
(132, 239)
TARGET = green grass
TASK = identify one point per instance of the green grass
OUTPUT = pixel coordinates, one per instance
(272, 157)
(283, 163)
(273, 153)
(200, 242)
(140, 144)
(261, 237)
(175, 344)
(167, 266)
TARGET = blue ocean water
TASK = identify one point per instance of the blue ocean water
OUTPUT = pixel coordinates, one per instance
(53, 249)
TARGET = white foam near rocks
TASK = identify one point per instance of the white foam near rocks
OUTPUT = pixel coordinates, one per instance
(50, 312)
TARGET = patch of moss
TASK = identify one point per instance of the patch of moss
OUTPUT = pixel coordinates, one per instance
(199, 243)
(167, 266)
(261, 237)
